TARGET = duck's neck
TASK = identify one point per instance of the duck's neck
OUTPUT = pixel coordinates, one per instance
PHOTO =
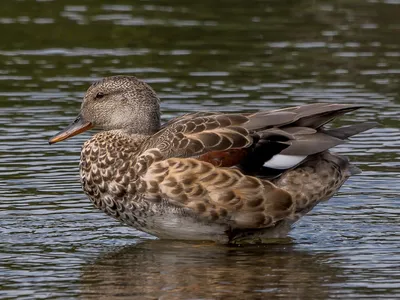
(128, 136)
(148, 124)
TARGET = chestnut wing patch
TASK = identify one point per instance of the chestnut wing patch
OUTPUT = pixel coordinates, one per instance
(228, 158)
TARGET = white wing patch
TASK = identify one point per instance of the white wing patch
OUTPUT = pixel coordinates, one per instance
(282, 161)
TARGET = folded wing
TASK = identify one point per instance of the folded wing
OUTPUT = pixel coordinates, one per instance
(264, 143)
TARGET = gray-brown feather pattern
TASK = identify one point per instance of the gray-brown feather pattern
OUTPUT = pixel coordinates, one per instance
(199, 134)
(195, 134)
(215, 194)
(314, 181)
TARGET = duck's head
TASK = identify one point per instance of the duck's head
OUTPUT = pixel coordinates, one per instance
(117, 102)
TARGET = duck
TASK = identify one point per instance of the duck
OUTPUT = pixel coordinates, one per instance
(228, 178)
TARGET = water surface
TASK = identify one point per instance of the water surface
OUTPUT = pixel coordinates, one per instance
(224, 55)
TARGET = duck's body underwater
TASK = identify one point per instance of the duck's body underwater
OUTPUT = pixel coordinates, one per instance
(207, 175)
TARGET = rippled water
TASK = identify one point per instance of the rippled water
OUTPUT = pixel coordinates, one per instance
(208, 55)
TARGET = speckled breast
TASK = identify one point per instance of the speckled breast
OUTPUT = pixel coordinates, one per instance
(108, 178)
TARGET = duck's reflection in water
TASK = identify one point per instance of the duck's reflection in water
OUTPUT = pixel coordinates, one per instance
(180, 270)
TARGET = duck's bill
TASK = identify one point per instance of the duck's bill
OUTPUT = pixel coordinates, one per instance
(76, 127)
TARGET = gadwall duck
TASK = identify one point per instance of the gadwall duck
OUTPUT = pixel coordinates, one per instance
(223, 177)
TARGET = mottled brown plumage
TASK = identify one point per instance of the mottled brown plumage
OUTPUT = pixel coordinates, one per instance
(207, 176)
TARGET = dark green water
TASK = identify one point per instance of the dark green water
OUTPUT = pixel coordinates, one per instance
(205, 55)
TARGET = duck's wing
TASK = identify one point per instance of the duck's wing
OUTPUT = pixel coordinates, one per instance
(267, 142)
(195, 134)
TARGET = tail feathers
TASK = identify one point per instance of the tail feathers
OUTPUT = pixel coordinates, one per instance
(348, 131)
(318, 115)
(311, 115)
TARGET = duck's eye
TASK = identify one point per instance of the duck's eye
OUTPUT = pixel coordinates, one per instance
(99, 95)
